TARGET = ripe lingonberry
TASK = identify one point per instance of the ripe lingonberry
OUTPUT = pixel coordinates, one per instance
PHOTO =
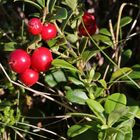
(88, 18)
(34, 26)
(41, 59)
(19, 60)
(49, 31)
(89, 23)
(29, 77)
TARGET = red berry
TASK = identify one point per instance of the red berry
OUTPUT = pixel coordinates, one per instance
(89, 23)
(41, 59)
(88, 18)
(49, 31)
(34, 26)
(91, 29)
(29, 77)
(19, 60)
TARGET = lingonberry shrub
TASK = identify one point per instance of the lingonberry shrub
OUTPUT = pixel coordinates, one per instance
(89, 23)
(49, 31)
(34, 26)
(41, 59)
(19, 60)
(29, 77)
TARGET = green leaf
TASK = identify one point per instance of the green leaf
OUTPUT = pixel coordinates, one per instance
(138, 114)
(51, 5)
(127, 122)
(41, 2)
(77, 130)
(75, 81)
(59, 13)
(97, 76)
(83, 45)
(116, 114)
(91, 74)
(10, 46)
(103, 83)
(125, 134)
(76, 96)
(65, 21)
(64, 64)
(133, 110)
(135, 74)
(122, 72)
(87, 55)
(97, 109)
(55, 77)
(87, 135)
(126, 56)
(115, 101)
(104, 31)
(32, 3)
(72, 4)
(72, 38)
(104, 39)
(125, 21)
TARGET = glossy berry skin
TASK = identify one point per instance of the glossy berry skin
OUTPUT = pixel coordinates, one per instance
(49, 31)
(88, 18)
(90, 25)
(29, 77)
(41, 59)
(19, 60)
(34, 26)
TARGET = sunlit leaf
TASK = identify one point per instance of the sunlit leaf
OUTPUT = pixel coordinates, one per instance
(97, 109)
(72, 4)
(59, 13)
(76, 96)
(104, 31)
(77, 130)
(122, 72)
(64, 64)
(125, 21)
(55, 77)
(114, 102)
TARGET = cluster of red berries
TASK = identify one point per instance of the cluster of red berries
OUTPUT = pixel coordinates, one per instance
(47, 30)
(29, 66)
(89, 23)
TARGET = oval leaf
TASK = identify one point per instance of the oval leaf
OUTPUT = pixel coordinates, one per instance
(71, 3)
(76, 96)
(125, 21)
(97, 109)
(77, 130)
(64, 64)
(59, 13)
(104, 31)
(120, 73)
(115, 101)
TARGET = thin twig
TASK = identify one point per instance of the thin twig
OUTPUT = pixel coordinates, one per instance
(35, 91)
(42, 129)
